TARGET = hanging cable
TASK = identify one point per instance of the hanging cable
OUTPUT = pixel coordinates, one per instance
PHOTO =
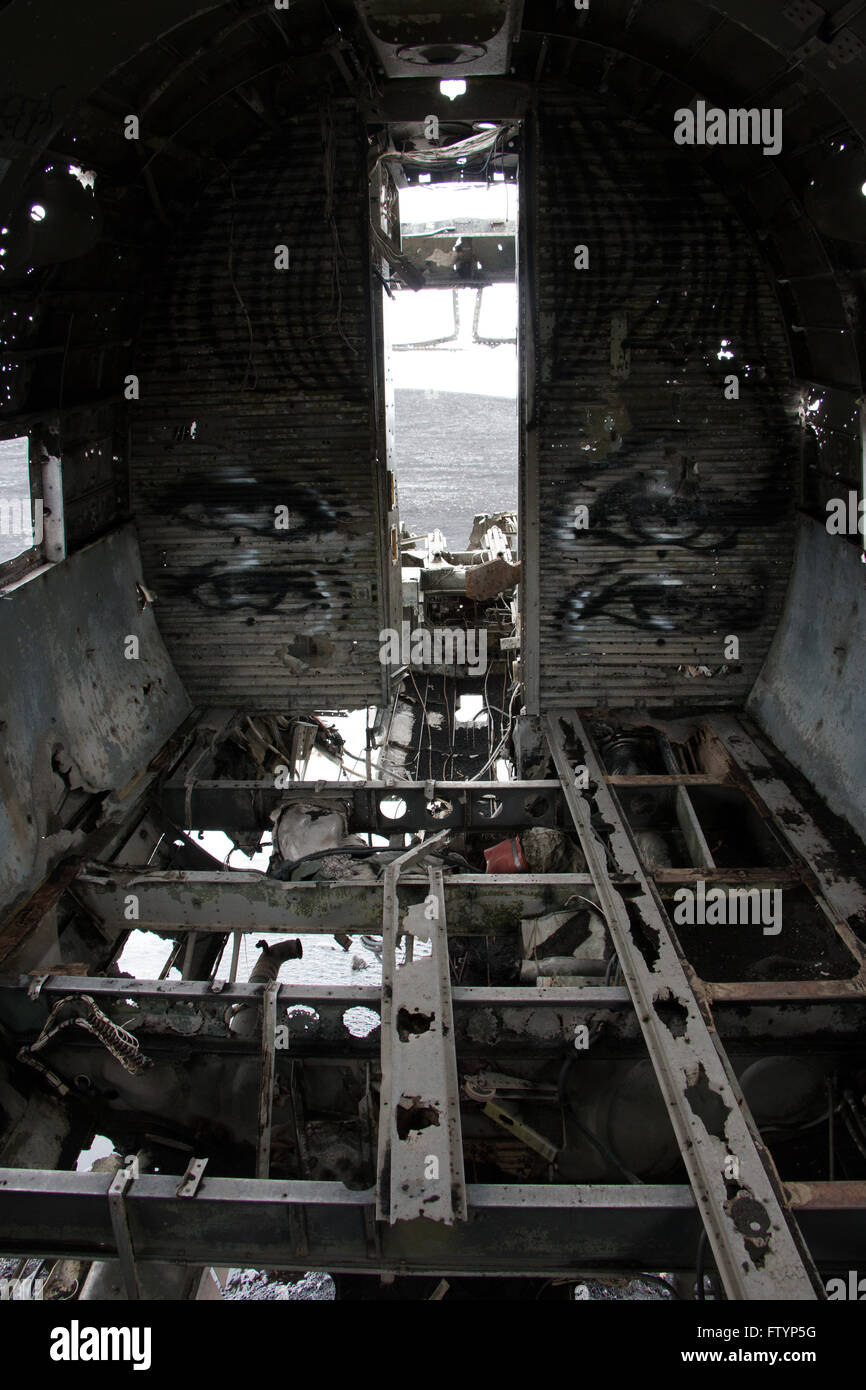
(502, 742)
(123, 1046)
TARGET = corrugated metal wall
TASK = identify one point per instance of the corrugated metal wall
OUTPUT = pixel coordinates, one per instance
(258, 392)
(689, 496)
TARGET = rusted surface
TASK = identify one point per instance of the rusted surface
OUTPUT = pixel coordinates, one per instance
(19, 927)
(494, 577)
(758, 1249)
(420, 1165)
(779, 874)
(760, 991)
(79, 718)
(827, 1196)
(842, 896)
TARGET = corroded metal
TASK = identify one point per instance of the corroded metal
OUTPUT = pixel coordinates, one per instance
(759, 1251)
(420, 1157)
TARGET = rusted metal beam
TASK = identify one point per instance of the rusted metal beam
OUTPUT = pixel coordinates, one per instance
(842, 897)
(22, 923)
(420, 1152)
(519, 1229)
(177, 901)
(770, 875)
(662, 779)
(759, 1251)
(266, 1084)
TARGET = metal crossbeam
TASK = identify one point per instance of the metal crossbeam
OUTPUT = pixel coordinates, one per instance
(842, 897)
(432, 806)
(517, 1229)
(180, 901)
(758, 1249)
(518, 1014)
(243, 805)
(176, 901)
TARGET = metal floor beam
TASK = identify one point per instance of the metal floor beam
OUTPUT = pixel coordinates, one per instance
(420, 1158)
(516, 1017)
(759, 1251)
(843, 898)
(518, 1229)
(176, 901)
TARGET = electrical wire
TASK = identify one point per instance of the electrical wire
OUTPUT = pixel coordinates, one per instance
(448, 154)
(487, 709)
(424, 722)
(579, 897)
(450, 726)
(851, 1101)
(502, 742)
(395, 775)
(854, 1133)
(288, 866)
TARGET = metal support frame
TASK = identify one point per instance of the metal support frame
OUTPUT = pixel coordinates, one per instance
(759, 1251)
(266, 1084)
(432, 806)
(665, 1009)
(117, 1193)
(516, 1018)
(516, 1229)
(224, 804)
(179, 901)
(843, 899)
(192, 1178)
(690, 825)
(420, 1154)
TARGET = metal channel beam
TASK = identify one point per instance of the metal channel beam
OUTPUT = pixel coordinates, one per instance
(266, 1083)
(758, 1249)
(226, 804)
(515, 1229)
(692, 830)
(176, 901)
(431, 806)
(117, 1194)
(842, 897)
(420, 1154)
(516, 1020)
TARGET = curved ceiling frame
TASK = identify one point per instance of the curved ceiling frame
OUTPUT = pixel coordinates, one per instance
(91, 51)
(788, 212)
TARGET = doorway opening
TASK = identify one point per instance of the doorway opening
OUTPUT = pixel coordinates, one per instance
(451, 356)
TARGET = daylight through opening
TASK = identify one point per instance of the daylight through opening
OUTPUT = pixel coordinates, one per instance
(451, 361)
